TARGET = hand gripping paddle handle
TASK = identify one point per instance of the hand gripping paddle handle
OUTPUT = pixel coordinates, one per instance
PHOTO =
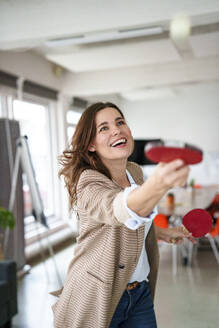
(198, 222)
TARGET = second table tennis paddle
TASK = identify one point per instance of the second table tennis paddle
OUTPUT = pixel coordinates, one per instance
(198, 222)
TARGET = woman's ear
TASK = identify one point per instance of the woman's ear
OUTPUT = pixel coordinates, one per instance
(91, 148)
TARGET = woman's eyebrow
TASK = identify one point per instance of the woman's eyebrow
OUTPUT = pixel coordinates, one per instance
(119, 118)
(103, 123)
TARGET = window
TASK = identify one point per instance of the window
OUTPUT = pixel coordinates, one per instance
(41, 120)
(72, 118)
(70, 132)
(3, 106)
(34, 123)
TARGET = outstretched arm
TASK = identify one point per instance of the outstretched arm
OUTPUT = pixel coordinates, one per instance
(166, 175)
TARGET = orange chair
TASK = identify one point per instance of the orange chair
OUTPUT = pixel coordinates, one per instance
(215, 230)
(213, 237)
(161, 221)
(197, 186)
(214, 206)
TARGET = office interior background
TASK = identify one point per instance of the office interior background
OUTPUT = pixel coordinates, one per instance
(159, 62)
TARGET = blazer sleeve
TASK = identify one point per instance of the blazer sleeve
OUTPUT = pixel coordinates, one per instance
(98, 199)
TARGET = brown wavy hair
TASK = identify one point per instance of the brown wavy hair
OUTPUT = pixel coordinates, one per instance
(77, 158)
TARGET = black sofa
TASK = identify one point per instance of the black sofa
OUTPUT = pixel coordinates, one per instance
(8, 292)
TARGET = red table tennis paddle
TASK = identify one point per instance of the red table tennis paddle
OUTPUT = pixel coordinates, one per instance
(198, 222)
(167, 151)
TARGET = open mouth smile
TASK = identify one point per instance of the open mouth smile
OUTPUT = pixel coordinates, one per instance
(119, 142)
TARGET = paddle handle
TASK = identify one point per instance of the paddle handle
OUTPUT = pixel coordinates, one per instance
(174, 240)
(184, 229)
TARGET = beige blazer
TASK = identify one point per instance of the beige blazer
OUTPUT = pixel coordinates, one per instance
(106, 254)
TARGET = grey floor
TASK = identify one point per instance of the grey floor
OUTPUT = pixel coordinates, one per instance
(188, 299)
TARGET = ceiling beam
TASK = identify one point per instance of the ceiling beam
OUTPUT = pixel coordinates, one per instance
(159, 75)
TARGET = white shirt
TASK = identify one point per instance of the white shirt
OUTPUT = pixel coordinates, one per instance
(134, 222)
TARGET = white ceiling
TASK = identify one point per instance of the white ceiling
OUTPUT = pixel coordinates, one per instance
(116, 66)
(204, 45)
(117, 56)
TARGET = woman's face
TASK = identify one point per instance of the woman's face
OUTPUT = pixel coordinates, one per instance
(113, 139)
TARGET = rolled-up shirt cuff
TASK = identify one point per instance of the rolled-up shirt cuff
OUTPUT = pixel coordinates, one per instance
(135, 221)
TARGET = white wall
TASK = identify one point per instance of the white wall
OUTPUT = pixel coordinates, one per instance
(191, 116)
(30, 66)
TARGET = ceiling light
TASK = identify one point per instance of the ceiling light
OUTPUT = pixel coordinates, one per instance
(104, 36)
(180, 27)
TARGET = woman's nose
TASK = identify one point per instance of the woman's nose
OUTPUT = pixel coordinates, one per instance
(116, 130)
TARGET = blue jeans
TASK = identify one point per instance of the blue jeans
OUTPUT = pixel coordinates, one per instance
(135, 309)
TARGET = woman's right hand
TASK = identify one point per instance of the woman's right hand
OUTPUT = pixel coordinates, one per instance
(169, 175)
(166, 175)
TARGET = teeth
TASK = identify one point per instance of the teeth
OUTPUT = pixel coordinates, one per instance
(118, 141)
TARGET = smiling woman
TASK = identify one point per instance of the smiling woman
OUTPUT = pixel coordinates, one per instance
(79, 157)
(113, 139)
(111, 280)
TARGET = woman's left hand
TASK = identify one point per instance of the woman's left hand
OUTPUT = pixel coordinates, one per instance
(174, 235)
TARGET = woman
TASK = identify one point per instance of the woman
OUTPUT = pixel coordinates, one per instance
(111, 279)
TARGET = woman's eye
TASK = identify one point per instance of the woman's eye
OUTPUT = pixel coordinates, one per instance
(121, 122)
(104, 128)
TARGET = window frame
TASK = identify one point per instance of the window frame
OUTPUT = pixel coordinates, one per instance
(57, 221)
